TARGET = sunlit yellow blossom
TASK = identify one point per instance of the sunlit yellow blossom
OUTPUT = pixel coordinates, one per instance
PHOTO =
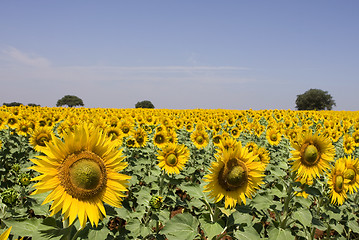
(351, 173)
(199, 138)
(338, 184)
(40, 136)
(173, 157)
(81, 172)
(273, 136)
(234, 176)
(312, 156)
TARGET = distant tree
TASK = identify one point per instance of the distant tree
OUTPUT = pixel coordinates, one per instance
(33, 105)
(12, 104)
(144, 104)
(315, 99)
(70, 101)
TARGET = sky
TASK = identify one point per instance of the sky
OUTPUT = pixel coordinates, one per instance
(223, 54)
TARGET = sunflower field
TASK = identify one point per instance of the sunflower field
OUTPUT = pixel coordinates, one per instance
(93, 173)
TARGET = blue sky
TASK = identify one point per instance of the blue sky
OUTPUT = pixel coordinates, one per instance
(184, 54)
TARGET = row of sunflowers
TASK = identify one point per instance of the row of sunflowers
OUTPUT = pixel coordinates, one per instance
(79, 173)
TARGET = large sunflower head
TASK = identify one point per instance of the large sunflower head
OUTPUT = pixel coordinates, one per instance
(81, 172)
(172, 158)
(312, 155)
(199, 138)
(351, 173)
(273, 136)
(160, 138)
(141, 137)
(337, 182)
(348, 144)
(234, 176)
(40, 136)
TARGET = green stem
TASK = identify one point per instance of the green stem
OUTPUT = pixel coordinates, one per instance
(162, 180)
(76, 234)
(283, 223)
(211, 213)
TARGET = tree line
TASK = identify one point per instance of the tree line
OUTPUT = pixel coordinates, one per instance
(312, 99)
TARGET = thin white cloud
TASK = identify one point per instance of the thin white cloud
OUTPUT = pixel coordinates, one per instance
(16, 56)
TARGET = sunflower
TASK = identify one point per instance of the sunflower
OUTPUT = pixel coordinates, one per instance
(172, 136)
(273, 136)
(126, 126)
(355, 136)
(160, 138)
(234, 176)
(115, 134)
(312, 155)
(251, 146)
(141, 137)
(235, 132)
(262, 156)
(338, 184)
(348, 144)
(23, 127)
(40, 136)
(351, 173)
(81, 172)
(172, 157)
(199, 138)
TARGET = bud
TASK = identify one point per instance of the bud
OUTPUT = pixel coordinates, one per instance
(156, 202)
(9, 196)
(24, 179)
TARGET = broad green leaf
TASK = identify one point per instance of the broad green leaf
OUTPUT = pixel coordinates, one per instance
(249, 233)
(240, 218)
(137, 229)
(304, 216)
(28, 227)
(261, 202)
(210, 229)
(182, 226)
(280, 234)
(318, 224)
(313, 191)
(98, 234)
(353, 225)
(194, 190)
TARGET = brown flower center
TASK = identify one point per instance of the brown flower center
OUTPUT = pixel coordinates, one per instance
(171, 160)
(83, 175)
(350, 174)
(339, 183)
(233, 175)
(311, 155)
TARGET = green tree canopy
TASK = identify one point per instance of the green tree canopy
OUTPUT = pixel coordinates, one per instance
(315, 99)
(70, 101)
(144, 104)
(12, 104)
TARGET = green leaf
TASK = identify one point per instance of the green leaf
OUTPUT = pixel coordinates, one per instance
(353, 225)
(318, 224)
(304, 216)
(182, 226)
(313, 191)
(262, 202)
(249, 234)
(98, 234)
(280, 234)
(28, 227)
(210, 229)
(195, 191)
(240, 218)
(137, 229)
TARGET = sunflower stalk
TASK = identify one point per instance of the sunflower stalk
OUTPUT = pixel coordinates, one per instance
(162, 180)
(289, 197)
